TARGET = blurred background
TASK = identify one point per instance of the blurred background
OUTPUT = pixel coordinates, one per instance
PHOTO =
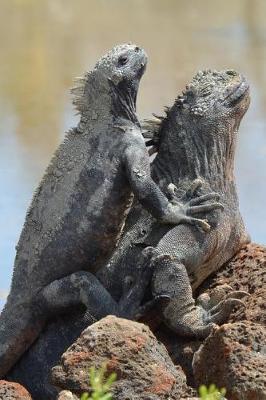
(44, 44)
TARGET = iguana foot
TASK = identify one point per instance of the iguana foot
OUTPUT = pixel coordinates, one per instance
(219, 293)
(198, 322)
(211, 309)
(188, 206)
(220, 301)
(192, 323)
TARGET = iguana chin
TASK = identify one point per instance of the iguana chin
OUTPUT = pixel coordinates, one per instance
(78, 211)
(196, 142)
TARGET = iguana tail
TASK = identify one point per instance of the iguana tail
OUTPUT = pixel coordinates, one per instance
(19, 327)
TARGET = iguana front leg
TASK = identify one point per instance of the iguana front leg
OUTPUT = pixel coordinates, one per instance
(137, 166)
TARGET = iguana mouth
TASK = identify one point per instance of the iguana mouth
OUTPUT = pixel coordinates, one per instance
(237, 93)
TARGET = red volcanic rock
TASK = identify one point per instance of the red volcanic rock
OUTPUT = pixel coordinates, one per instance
(143, 367)
(234, 357)
(246, 271)
(13, 391)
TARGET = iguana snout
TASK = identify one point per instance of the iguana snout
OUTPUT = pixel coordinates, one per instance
(237, 93)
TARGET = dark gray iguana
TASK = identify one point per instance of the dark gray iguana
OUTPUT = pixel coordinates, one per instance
(80, 206)
(196, 142)
(193, 141)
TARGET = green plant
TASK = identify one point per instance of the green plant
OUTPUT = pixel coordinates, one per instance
(100, 385)
(211, 393)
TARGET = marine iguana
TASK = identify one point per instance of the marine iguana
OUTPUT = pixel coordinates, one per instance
(182, 139)
(78, 211)
(196, 143)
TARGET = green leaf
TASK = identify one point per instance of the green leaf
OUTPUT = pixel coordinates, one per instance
(203, 391)
(211, 392)
(85, 396)
(99, 384)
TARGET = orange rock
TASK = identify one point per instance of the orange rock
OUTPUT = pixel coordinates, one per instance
(234, 357)
(13, 391)
(143, 367)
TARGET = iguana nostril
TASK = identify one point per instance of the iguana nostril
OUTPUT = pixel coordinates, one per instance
(137, 48)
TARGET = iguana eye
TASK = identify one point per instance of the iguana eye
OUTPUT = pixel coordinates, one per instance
(122, 60)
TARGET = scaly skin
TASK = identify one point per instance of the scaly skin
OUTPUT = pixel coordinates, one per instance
(196, 143)
(78, 211)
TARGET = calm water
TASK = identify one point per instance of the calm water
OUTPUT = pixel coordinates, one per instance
(44, 44)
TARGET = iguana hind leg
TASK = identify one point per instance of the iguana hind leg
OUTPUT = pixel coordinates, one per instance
(134, 291)
(22, 324)
(181, 313)
(78, 288)
(84, 288)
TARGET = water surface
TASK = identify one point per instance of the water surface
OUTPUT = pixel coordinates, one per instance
(45, 43)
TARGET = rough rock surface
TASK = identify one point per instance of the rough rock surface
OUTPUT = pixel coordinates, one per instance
(234, 357)
(13, 391)
(181, 351)
(246, 271)
(143, 367)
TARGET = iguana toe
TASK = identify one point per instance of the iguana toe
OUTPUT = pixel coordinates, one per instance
(212, 298)
(237, 294)
(220, 313)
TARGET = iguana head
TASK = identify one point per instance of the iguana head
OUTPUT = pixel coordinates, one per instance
(113, 83)
(124, 63)
(215, 96)
(199, 130)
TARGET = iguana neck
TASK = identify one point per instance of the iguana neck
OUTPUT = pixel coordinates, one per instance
(124, 98)
(189, 150)
(104, 102)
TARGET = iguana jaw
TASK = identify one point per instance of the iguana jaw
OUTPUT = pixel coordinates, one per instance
(238, 98)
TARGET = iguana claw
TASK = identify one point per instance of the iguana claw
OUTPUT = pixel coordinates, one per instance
(219, 304)
(220, 313)
(198, 322)
(156, 301)
(195, 185)
(209, 300)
